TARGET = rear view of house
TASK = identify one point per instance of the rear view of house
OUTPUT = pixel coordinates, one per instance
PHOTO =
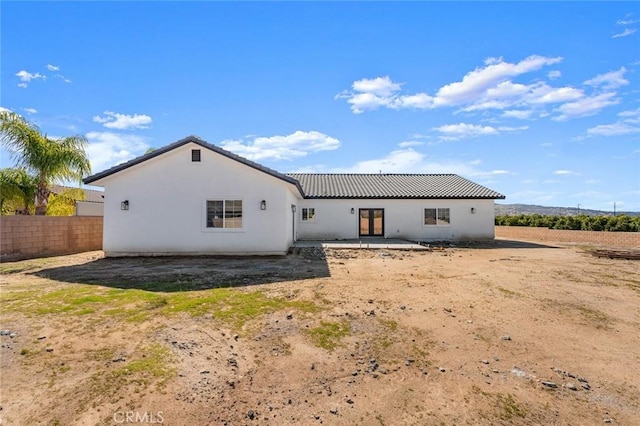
(192, 197)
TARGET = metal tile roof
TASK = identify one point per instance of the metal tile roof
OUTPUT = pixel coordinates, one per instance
(313, 185)
(440, 186)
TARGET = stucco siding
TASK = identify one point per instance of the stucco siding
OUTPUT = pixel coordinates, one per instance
(167, 207)
(402, 219)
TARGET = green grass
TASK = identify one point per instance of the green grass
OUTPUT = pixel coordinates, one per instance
(26, 265)
(328, 334)
(509, 408)
(233, 306)
(152, 365)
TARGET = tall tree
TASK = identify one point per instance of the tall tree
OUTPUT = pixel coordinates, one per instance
(49, 160)
(17, 191)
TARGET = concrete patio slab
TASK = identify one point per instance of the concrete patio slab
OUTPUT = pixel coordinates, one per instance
(365, 243)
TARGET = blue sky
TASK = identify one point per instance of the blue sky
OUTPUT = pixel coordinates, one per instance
(539, 101)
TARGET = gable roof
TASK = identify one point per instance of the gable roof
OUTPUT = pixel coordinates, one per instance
(196, 140)
(441, 186)
(90, 195)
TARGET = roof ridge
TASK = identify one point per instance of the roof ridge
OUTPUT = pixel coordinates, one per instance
(198, 141)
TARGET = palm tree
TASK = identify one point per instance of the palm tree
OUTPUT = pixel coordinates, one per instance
(47, 159)
(17, 191)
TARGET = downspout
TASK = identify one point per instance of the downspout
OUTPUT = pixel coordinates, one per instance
(293, 222)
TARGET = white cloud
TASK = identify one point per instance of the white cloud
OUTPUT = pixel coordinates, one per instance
(407, 144)
(488, 87)
(381, 86)
(114, 120)
(26, 77)
(410, 161)
(586, 106)
(610, 80)
(564, 172)
(614, 129)
(625, 33)
(627, 21)
(554, 74)
(628, 123)
(53, 67)
(419, 100)
(107, 149)
(370, 94)
(478, 81)
(3, 109)
(464, 130)
(517, 113)
(544, 94)
(30, 110)
(296, 145)
(63, 78)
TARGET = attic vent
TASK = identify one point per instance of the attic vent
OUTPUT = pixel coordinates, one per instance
(195, 155)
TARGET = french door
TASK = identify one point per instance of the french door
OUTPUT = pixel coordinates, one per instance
(371, 222)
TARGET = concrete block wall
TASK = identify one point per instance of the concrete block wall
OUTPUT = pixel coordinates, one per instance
(26, 237)
(601, 238)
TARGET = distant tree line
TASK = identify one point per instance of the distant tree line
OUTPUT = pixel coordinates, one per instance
(581, 222)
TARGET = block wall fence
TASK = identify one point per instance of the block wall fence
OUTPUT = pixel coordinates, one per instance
(601, 238)
(27, 237)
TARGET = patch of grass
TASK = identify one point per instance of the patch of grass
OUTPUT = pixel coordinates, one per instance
(151, 365)
(598, 318)
(328, 334)
(233, 306)
(601, 319)
(509, 408)
(390, 325)
(25, 265)
(507, 292)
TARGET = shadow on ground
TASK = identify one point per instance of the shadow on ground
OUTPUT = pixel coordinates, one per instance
(485, 244)
(191, 273)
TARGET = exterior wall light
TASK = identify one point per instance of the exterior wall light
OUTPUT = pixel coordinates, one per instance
(473, 210)
(263, 205)
(353, 211)
(124, 205)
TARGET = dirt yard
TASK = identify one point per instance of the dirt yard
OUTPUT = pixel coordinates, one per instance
(504, 333)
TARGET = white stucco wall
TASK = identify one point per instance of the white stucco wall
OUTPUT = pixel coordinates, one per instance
(88, 208)
(402, 219)
(167, 207)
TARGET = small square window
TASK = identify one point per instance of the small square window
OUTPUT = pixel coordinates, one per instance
(195, 155)
(308, 214)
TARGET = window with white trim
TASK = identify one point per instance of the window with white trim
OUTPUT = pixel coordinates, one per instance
(224, 214)
(437, 217)
(308, 214)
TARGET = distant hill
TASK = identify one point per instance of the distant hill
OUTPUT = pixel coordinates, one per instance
(512, 209)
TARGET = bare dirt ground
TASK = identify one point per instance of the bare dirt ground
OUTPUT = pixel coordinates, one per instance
(503, 333)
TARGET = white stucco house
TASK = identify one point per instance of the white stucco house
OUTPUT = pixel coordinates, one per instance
(192, 197)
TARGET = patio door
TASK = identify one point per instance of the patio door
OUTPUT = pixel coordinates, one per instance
(371, 222)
